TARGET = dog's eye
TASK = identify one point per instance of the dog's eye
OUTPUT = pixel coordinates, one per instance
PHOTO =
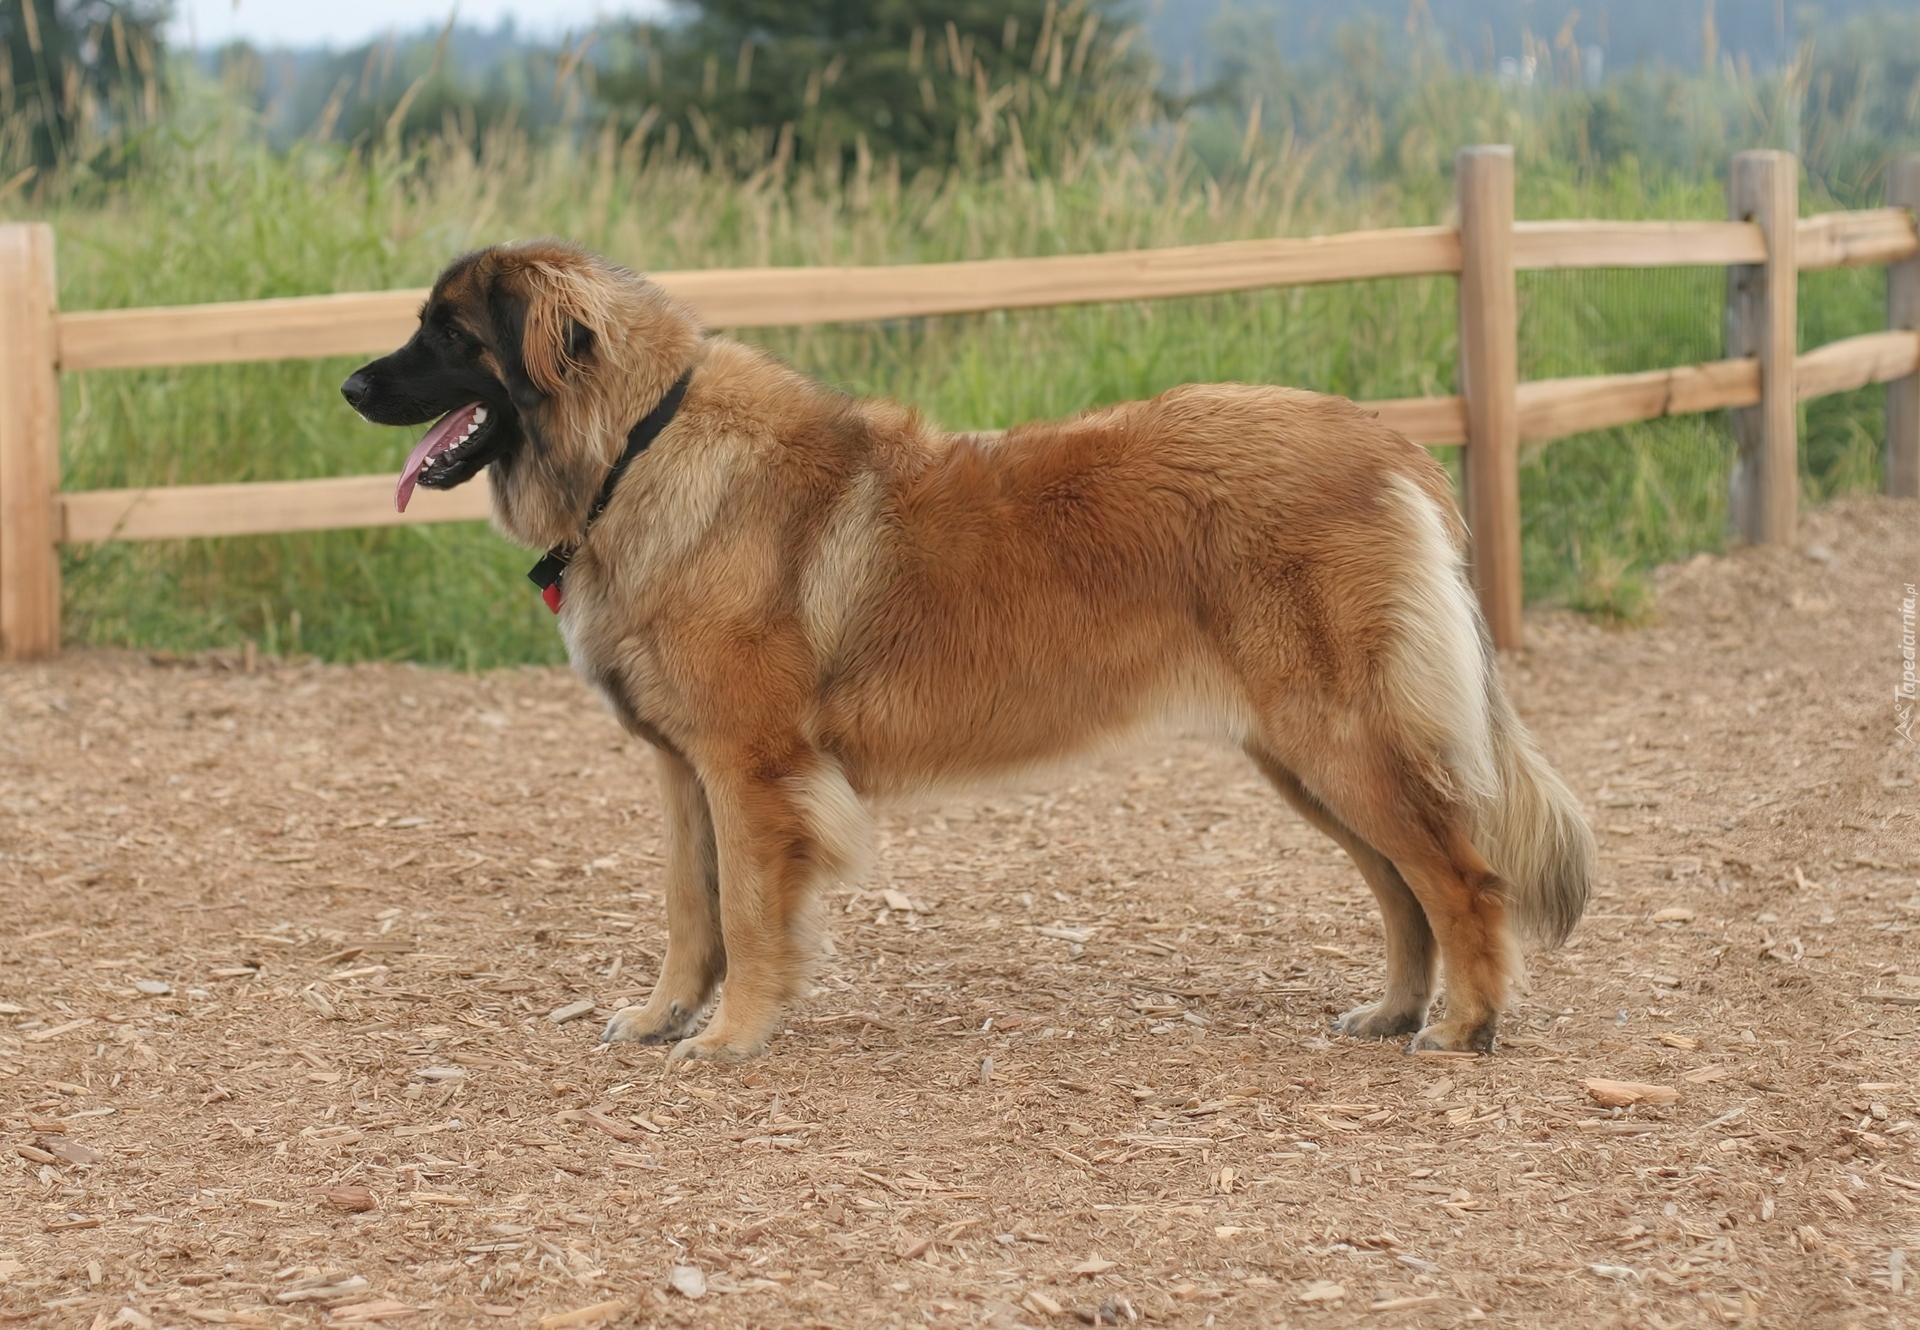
(469, 346)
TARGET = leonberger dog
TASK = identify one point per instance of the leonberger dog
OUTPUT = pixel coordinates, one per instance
(805, 601)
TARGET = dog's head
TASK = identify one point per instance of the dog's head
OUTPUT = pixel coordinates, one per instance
(531, 357)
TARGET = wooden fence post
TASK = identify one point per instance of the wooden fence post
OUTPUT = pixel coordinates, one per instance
(1762, 321)
(1903, 311)
(29, 444)
(1490, 380)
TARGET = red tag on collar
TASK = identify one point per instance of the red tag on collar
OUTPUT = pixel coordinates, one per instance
(551, 594)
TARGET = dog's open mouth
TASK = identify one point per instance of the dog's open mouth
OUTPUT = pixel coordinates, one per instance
(451, 452)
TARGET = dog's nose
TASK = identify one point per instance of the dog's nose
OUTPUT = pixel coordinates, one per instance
(356, 388)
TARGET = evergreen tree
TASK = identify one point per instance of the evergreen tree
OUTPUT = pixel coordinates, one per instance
(928, 82)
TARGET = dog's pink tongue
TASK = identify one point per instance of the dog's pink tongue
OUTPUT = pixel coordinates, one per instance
(438, 439)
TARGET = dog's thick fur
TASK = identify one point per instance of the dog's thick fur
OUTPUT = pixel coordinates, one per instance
(803, 600)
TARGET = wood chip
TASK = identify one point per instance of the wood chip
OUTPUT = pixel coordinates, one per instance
(1402, 1304)
(334, 1287)
(1618, 1094)
(596, 1118)
(1673, 914)
(599, 1311)
(346, 1198)
(365, 1313)
(72, 1151)
(1322, 1290)
(573, 1011)
(55, 1031)
(438, 1198)
(1094, 1265)
(689, 1281)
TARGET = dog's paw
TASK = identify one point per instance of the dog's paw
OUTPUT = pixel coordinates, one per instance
(655, 1023)
(717, 1046)
(1375, 1021)
(1455, 1037)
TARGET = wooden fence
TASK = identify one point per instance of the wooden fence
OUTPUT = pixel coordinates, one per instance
(1763, 246)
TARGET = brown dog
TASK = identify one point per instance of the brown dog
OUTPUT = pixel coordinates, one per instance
(802, 600)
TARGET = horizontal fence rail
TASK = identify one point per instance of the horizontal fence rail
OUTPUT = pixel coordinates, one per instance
(38, 343)
(774, 297)
(362, 323)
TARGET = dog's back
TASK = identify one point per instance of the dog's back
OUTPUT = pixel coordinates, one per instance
(980, 602)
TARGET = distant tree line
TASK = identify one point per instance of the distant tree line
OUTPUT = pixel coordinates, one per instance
(749, 85)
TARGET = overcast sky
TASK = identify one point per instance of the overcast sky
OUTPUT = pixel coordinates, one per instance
(345, 23)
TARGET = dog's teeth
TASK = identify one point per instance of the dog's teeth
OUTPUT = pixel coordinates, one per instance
(479, 415)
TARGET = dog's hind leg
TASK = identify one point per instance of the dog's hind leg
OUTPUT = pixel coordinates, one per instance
(1466, 902)
(1402, 1009)
(696, 958)
(1370, 786)
(784, 827)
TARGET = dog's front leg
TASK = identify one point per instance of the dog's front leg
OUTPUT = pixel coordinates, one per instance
(696, 954)
(784, 827)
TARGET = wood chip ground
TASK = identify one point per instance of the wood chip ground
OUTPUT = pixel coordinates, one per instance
(289, 957)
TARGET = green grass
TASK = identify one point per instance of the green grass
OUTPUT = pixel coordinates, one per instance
(211, 214)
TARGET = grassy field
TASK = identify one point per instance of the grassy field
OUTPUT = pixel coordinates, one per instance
(211, 214)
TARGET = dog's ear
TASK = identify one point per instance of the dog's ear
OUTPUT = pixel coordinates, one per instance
(546, 313)
(565, 303)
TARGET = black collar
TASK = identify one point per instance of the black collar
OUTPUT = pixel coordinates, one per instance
(547, 573)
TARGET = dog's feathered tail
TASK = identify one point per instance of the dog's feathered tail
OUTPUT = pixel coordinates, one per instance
(1444, 683)
(1531, 829)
